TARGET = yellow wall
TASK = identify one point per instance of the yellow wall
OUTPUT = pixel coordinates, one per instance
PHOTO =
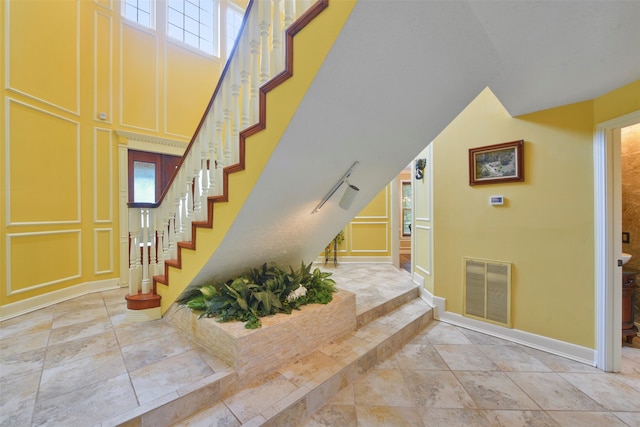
(368, 235)
(66, 62)
(545, 227)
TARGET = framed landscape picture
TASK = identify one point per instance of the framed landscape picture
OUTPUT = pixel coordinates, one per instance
(497, 163)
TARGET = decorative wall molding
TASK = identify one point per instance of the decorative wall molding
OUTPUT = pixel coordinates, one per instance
(156, 144)
(8, 165)
(26, 94)
(18, 308)
(152, 33)
(426, 269)
(386, 237)
(96, 250)
(78, 274)
(97, 195)
(99, 50)
(107, 4)
(386, 208)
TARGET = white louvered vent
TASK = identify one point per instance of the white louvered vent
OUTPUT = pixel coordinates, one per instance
(487, 290)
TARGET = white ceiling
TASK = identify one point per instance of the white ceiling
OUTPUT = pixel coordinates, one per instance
(401, 71)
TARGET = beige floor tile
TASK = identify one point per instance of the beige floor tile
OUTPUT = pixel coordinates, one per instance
(461, 357)
(438, 417)
(630, 418)
(388, 416)
(513, 358)
(333, 415)
(67, 377)
(437, 389)
(483, 339)
(251, 401)
(79, 330)
(558, 363)
(92, 313)
(131, 333)
(311, 370)
(17, 399)
(552, 392)
(148, 351)
(383, 388)
(21, 364)
(607, 390)
(79, 304)
(13, 345)
(494, 390)
(420, 356)
(216, 416)
(520, 418)
(586, 419)
(168, 375)
(80, 348)
(29, 323)
(442, 333)
(87, 406)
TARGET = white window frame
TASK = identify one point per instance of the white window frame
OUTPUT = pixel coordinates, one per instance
(135, 5)
(195, 39)
(230, 36)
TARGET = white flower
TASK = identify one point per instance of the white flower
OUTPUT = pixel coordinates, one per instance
(300, 292)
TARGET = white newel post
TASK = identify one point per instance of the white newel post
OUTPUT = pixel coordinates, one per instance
(144, 219)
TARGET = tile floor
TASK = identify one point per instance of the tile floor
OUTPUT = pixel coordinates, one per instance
(78, 363)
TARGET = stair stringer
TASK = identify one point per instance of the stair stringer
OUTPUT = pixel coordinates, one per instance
(257, 143)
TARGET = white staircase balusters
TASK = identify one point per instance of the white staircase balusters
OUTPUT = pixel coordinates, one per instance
(135, 277)
(144, 223)
(155, 232)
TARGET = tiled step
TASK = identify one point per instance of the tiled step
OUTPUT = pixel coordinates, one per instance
(367, 314)
(296, 391)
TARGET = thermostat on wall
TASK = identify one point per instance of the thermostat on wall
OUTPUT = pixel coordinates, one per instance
(496, 200)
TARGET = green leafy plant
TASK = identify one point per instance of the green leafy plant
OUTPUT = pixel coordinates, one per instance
(260, 292)
(337, 241)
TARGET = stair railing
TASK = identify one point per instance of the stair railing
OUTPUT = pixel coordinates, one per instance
(156, 228)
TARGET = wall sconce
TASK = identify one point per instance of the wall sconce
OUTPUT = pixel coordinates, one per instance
(351, 191)
(420, 165)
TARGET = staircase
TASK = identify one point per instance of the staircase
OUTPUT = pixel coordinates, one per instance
(216, 162)
(297, 390)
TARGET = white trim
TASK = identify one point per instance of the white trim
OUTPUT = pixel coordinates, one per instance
(8, 86)
(156, 101)
(607, 244)
(95, 250)
(356, 260)
(425, 269)
(96, 193)
(78, 274)
(386, 237)
(96, 51)
(560, 348)
(18, 308)
(8, 102)
(154, 144)
(386, 208)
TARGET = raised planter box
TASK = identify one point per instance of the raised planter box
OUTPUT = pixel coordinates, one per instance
(282, 339)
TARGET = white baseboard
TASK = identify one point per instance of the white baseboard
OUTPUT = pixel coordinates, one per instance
(356, 260)
(550, 345)
(14, 309)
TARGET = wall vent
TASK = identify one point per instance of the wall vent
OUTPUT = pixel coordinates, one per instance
(487, 290)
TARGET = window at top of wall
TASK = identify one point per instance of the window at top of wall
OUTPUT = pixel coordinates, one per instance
(234, 16)
(193, 22)
(140, 11)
